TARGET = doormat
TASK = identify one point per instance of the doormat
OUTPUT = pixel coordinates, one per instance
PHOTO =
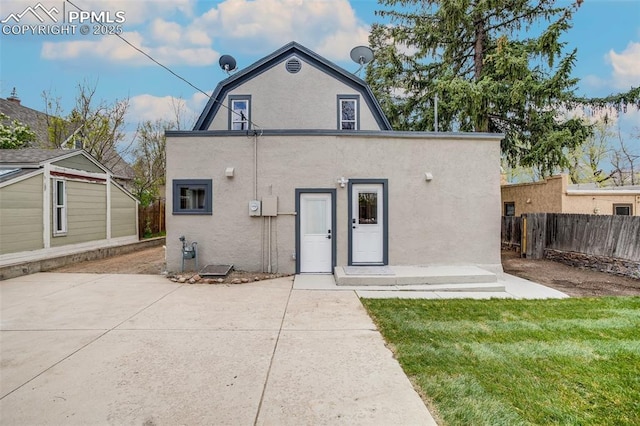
(215, 270)
(368, 270)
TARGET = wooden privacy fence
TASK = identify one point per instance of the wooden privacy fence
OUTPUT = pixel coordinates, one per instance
(511, 232)
(609, 236)
(151, 219)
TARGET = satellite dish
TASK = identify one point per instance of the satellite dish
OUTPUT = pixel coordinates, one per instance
(227, 63)
(361, 55)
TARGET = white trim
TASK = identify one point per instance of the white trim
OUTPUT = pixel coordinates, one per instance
(108, 234)
(41, 254)
(46, 207)
(78, 172)
(59, 229)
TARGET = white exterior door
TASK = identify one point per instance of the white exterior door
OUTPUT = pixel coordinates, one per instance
(315, 233)
(367, 223)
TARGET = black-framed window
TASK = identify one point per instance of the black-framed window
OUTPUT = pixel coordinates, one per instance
(622, 209)
(239, 112)
(510, 209)
(192, 196)
(348, 112)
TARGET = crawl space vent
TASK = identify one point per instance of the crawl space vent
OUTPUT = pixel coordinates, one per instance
(293, 65)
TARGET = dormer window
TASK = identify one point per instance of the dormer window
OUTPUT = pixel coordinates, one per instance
(239, 112)
(348, 112)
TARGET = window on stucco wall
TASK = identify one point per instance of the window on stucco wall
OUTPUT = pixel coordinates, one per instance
(239, 112)
(192, 197)
(348, 112)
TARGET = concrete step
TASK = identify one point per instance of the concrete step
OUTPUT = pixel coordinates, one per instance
(418, 275)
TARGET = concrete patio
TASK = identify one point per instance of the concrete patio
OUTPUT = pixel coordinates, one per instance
(139, 349)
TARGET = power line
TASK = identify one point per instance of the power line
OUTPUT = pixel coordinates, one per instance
(169, 69)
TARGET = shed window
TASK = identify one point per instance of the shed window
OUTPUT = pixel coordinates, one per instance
(192, 196)
(59, 207)
(348, 113)
(239, 112)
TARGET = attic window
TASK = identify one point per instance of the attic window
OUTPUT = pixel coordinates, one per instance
(293, 65)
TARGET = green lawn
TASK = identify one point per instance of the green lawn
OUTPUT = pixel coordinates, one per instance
(519, 362)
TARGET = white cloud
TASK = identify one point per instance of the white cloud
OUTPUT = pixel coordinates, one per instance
(329, 27)
(626, 66)
(148, 107)
(113, 49)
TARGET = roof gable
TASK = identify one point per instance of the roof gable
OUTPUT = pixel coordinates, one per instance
(281, 55)
(33, 158)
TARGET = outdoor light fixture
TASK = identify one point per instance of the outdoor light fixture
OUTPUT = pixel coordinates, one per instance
(229, 171)
(342, 181)
(428, 176)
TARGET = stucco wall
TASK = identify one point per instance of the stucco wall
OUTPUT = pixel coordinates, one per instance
(553, 196)
(21, 222)
(537, 197)
(453, 219)
(598, 203)
(310, 90)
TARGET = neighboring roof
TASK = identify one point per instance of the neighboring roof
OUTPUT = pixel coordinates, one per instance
(35, 120)
(591, 187)
(280, 55)
(33, 157)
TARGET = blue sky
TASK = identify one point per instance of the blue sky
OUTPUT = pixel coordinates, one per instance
(189, 36)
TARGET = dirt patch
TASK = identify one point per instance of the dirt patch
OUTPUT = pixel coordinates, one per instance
(147, 261)
(575, 282)
(151, 261)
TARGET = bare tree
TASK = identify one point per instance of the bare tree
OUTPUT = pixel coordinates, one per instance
(96, 126)
(625, 159)
(585, 162)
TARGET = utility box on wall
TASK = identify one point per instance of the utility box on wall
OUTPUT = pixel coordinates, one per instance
(270, 205)
(254, 208)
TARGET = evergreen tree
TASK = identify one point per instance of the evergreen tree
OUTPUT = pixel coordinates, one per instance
(493, 65)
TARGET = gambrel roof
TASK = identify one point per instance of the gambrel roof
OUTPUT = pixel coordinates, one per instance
(291, 49)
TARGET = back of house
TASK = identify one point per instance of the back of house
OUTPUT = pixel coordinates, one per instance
(293, 167)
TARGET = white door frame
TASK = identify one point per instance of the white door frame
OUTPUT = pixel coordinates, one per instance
(384, 219)
(333, 236)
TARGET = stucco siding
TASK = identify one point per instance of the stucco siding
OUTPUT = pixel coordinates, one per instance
(537, 197)
(553, 195)
(79, 162)
(21, 226)
(86, 213)
(123, 213)
(599, 203)
(309, 101)
(453, 219)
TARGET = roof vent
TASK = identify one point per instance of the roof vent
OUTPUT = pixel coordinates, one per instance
(293, 65)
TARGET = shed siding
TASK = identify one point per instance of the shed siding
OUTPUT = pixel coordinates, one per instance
(79, 162)
(123, 213)
(21, 213)
(86, 214)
